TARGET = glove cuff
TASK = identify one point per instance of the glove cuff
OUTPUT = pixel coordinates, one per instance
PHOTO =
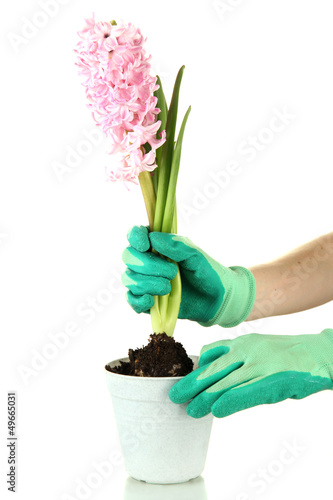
(238, 300)
(327, 361)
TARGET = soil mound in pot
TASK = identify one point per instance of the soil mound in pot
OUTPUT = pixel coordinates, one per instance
(161, 357)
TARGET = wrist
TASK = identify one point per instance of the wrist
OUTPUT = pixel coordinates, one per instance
(239, 297)
(326, 351)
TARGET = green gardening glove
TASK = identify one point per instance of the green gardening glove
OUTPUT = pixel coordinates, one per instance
(211, 293)
(256, 369)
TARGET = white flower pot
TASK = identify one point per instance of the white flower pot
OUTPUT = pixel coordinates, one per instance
(160, 442)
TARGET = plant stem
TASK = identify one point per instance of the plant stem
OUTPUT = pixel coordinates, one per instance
(174, 300)
(155, 316)
(147, 188)
(174, 221)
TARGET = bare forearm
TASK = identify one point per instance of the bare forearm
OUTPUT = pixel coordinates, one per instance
(299, 280)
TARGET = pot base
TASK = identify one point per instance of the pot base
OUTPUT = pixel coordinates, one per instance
(156, 482)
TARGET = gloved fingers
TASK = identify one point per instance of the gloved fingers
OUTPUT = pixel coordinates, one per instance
(202, 404)
(258, 391)
(176, 248)
(138, 238)
(191, 385)
(141, 284)
(140, 303)
(211, 352)
(187, 387)
(238, 377)
(225, 364)
(149, 264)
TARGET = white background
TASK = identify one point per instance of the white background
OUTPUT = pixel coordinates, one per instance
(61, 236)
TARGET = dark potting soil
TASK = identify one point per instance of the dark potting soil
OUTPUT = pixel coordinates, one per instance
(161, 357)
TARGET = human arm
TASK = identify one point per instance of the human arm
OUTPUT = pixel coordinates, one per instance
(300, 280)
(214, 294)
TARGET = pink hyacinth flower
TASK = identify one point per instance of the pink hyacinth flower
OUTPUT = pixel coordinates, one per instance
(115, 72)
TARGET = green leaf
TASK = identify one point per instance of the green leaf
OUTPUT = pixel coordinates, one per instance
(167, 153)
(162, 105)
(171, 195)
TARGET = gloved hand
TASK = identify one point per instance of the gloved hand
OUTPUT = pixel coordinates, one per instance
(256, 369)
(211, 293)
